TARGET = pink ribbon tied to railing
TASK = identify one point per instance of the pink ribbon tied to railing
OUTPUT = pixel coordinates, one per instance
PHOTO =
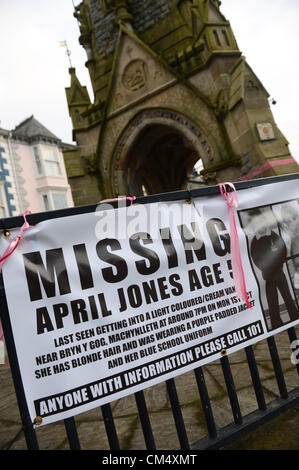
(9, 250)
(238, 274)
(15, 241)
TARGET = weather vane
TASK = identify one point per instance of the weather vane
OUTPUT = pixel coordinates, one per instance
(68, 52)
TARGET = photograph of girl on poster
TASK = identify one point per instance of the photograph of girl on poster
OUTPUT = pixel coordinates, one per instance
(273, 244)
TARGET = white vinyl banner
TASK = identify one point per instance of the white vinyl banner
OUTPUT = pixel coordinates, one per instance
(105, 304)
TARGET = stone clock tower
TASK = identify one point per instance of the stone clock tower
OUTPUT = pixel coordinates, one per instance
(171, 91)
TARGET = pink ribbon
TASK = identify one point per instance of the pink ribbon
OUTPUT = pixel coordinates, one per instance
(130, 198)
(9, 250)
(265, 167)
(16, 241)
(1, 333)
(238, 274)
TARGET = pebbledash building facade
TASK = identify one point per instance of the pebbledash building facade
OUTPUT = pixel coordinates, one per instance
(32, 170)
(172, 91)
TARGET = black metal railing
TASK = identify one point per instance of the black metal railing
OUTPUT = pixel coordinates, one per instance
(215, 438)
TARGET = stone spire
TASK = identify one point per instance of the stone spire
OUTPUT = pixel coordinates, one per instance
(78, 100)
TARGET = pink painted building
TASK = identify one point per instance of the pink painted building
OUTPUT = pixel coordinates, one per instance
(32, 170)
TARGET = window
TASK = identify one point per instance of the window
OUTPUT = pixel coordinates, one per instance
(52, 200)
(59, 200)
(37, 160)
(51, 161)
(46, 159)
(46, 203)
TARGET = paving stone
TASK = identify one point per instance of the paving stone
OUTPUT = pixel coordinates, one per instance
(194, 421)
(91, 415)
(237, 357)
(247, 400)
(221, 411)
(156, 397)
(50, 437)
(126, 427)
(8, 403)
(161, 423)
(270, 385)
(125, 406)
(9, 410)
(271, 435)
(283, 345)
(92, 435)
(214, 387)
(8, 430)
(187, 389)
(241, 375)
(291, 379)
(261, 351)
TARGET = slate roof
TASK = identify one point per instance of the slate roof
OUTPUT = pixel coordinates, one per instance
(146, 13)
(31, 129)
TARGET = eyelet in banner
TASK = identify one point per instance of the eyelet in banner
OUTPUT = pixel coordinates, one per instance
(5, 233)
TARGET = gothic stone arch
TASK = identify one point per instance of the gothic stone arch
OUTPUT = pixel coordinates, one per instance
(181, 55)
(156, 151)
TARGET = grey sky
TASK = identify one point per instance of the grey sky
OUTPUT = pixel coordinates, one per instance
(34, 69)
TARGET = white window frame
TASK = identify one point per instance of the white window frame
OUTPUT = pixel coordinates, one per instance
(49, 195)
(64, 193)
(43, 197)
(38, 154)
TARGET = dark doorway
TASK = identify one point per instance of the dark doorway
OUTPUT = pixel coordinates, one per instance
(159, 160)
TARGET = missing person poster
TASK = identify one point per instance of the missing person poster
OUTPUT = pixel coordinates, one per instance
(105, 304)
